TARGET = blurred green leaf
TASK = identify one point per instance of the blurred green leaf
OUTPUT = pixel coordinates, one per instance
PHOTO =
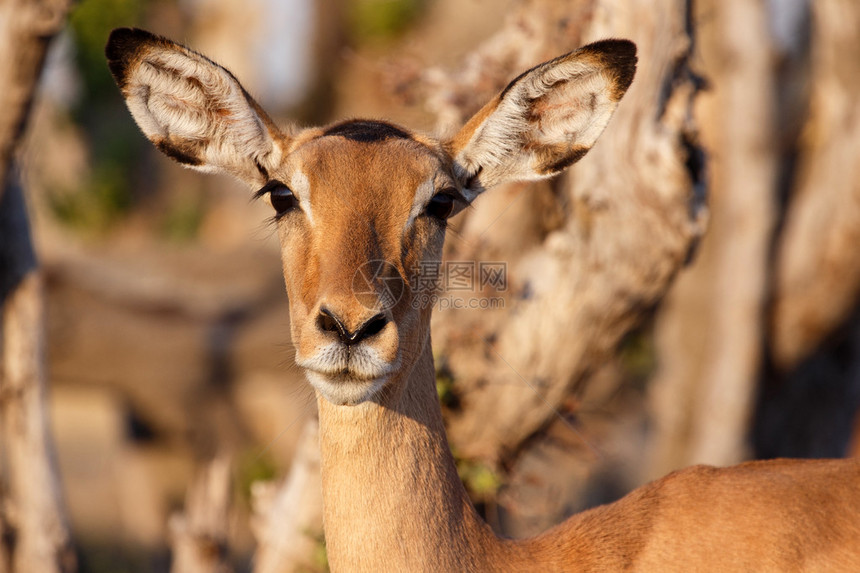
(252, 467)
(637, 354)
(445, 388)
(374, 20)
(320, 555)
(482, 481)
(91, 21)
(97, 204)
(181, 223)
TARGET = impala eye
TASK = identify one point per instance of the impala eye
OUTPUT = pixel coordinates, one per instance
(282, 198)
(441, 205)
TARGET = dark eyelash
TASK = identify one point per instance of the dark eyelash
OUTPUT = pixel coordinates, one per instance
(271, 223)
(272, 184)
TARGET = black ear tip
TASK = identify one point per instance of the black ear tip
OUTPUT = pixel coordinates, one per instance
(619, 55)
(122, 40)
(118, 35)
(614, 49)
(122, 46)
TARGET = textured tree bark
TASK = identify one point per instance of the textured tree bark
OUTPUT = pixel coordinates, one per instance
(711, 331)
(288, 519)
(817, 280)
(35, 521)
(587, 253)
(199, 535)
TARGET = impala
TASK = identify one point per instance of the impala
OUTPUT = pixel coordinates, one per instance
(359, 192)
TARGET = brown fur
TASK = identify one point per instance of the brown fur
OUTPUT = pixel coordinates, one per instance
(392, 498)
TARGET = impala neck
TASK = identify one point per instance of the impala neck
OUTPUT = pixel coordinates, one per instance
(392, 498)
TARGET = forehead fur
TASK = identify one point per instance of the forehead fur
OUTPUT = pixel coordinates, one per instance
(346, 171)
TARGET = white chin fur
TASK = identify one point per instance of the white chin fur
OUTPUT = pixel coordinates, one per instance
(342, 391)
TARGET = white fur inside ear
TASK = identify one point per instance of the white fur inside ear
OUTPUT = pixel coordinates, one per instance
(181, 100)
(575, 112)
(546, 120)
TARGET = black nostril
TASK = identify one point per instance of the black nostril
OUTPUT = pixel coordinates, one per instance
(329, 322)
(372, 326)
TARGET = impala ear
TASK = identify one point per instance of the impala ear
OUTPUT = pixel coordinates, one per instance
(191, 108)
(546, 119)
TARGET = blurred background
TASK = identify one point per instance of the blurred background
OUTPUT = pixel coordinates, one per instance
(700, 265)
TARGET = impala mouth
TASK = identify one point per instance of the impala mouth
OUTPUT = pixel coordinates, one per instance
(345, 388)
(346, 378)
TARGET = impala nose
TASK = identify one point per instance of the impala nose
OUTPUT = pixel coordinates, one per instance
(328, 321)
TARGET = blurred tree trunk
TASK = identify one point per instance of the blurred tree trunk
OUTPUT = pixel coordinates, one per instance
(41, 536)
(586, 253)
(26, 28)
(287, 519)
(817, 278)
(5, 558)
(198, 535)
(709, 334)
(35, 520)
(745, 177)
(715, 329)
(810, 399)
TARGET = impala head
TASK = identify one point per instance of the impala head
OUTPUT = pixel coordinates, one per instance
(361, 203)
